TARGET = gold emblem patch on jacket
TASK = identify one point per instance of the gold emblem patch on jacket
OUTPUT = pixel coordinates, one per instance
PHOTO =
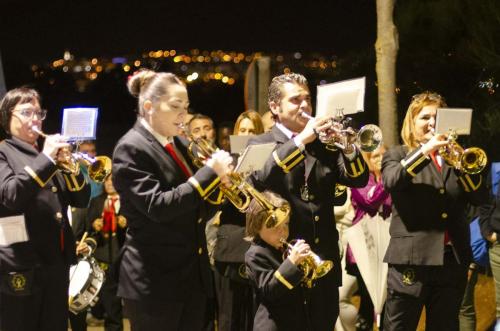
(408, 276)
(242, 271)
(17, 282)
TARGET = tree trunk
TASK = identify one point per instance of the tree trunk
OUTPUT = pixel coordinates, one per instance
(386, 49)
(257, 80)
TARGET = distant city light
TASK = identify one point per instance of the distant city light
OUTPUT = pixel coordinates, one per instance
(204, 66)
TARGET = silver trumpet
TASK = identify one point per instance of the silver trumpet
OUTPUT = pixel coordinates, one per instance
(341, 136)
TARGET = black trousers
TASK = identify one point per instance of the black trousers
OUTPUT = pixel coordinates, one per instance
(35, 299)
(439, 288)
(186, 315)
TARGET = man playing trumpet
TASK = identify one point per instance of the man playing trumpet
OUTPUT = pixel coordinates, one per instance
(304, 172)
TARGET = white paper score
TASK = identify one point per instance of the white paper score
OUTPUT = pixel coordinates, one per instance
(346, 96)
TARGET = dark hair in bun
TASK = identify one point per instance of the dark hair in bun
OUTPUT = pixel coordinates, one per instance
(149, 85)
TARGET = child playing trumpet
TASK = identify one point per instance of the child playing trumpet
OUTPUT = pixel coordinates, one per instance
(281, 303)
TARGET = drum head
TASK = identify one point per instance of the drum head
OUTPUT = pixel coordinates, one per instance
(78, 276)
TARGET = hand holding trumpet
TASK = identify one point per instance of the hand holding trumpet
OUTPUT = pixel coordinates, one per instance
(299, 251)
(221, 163)
(56, 147)
(435, 143)
(313, 129)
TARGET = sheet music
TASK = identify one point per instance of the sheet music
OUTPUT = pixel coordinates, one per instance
(254, 158)
(79, 123)
(455, 119)
(346, 96)
(13, 230)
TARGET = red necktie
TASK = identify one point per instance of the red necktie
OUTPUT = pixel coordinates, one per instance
(170, 149)
(109, 219)
(434, 159)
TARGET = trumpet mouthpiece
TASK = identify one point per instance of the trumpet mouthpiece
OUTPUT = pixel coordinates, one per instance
(35, 129)
(306, 115)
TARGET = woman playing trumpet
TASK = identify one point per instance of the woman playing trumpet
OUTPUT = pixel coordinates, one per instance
(38, 245)
(164, 271)
(429, 250)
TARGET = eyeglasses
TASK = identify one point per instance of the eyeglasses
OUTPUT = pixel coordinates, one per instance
(28, 113)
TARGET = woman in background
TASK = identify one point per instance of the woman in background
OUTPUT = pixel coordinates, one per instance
(234, 293)
(369, 200)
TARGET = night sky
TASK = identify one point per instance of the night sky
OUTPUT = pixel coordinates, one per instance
(42, 30)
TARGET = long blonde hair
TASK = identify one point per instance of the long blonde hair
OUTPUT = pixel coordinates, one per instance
(253, 116)
(418, 102)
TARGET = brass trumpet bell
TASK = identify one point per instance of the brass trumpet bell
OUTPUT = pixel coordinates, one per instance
(98, 168)
(313, 267)
(471, 161)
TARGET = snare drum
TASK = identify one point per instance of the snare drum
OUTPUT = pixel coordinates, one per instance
(85, 281)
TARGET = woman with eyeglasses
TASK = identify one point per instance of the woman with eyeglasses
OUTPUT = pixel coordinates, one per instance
(37, 244)
(429, 251)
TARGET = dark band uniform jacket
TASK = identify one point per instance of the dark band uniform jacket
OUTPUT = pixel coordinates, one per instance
(284, 173)
(427, 202)
(164, 255)
(280, 298)
(107, 242)
(34, 274)
(31, 185)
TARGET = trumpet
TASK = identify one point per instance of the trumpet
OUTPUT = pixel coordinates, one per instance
(313, 267)
(470, 161)
(240, 193)
(98, 167)
(199, 150)
(341, 136)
